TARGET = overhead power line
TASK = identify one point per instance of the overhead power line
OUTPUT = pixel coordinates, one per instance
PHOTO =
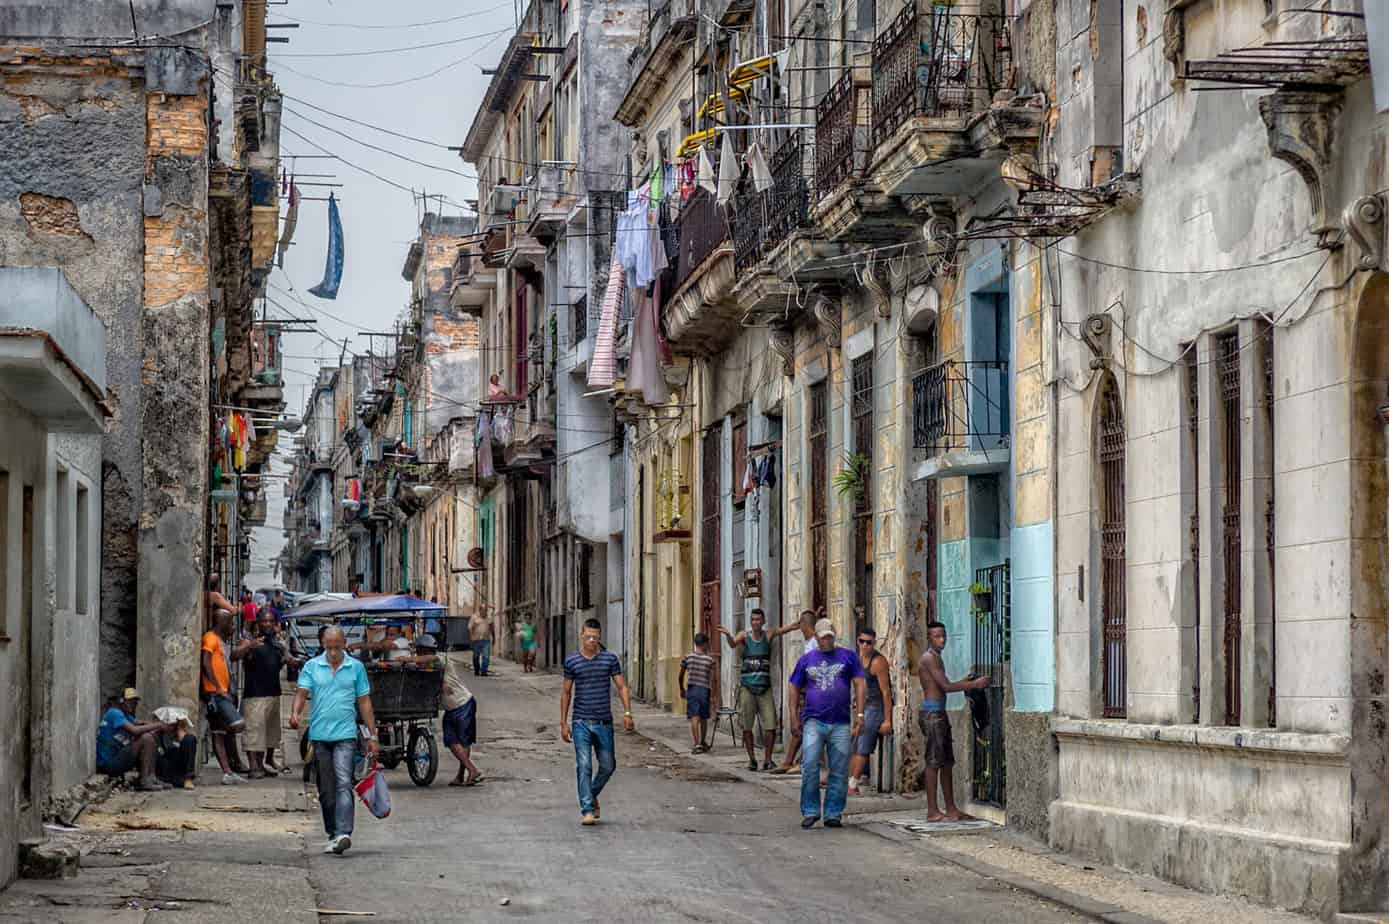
(403, 25)
(390, 51)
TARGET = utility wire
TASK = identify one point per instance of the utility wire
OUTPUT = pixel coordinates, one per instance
(390, 51)
(404, 25)
(391, 83)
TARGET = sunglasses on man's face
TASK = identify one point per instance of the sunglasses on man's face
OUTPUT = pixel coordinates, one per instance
(865, 641)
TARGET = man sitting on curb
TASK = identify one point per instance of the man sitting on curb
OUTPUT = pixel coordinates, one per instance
(122, 743)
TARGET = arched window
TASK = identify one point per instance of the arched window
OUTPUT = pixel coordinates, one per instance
(1113, 541)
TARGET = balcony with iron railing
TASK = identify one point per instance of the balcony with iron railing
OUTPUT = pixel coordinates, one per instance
(549, 198)
(961, 418)
(473, 282)
(776, 245)
(702, 315)
(937, 73)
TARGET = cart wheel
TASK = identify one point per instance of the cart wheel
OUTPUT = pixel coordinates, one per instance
(389, 759)
(423, 757)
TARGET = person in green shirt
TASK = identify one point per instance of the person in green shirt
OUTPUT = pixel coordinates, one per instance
(755, 699)
(525, 632)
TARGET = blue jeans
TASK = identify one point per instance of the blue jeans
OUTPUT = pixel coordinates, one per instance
(590, 737)
(335, 759)
(482, 655)
(816, 735)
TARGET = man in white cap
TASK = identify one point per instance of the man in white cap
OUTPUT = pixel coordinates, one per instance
(826, 679)
(123, 743)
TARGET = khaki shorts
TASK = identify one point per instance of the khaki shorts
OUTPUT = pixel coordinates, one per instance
(262, 722)
(753, 706)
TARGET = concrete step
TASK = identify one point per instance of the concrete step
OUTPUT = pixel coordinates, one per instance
(1361, 917)
(44, 860)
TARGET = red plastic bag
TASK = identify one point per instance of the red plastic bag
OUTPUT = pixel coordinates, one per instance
(374, 792)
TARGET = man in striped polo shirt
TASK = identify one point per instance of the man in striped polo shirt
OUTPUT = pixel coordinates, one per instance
(587, 675)
(695, 687)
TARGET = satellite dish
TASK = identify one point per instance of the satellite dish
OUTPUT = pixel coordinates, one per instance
(475, 558)
(922, 307)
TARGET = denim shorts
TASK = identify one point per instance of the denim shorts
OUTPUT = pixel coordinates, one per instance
(460, 725)
(696, 702)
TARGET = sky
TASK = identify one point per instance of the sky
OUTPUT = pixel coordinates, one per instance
(379, 221)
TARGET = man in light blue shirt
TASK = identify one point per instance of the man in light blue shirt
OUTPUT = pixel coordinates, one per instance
(340, 691)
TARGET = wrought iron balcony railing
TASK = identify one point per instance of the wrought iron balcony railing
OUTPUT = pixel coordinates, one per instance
(834, 135)
(960, 407)
(702, 229)
(762, 221)
(939, 63)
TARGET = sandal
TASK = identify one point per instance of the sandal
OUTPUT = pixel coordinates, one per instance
(458, 781)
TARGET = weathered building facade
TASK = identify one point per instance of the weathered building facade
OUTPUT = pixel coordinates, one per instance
(1221, 374)
(140, 171)
(547, 155)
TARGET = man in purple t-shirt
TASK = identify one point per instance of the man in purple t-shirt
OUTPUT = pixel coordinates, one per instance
(824, 677)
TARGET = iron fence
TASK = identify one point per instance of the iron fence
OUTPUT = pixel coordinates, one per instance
(762, 221)
(1113, 552)
(939, 63)
(960, 406)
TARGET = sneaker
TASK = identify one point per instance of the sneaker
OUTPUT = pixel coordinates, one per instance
(597, 811)
(809, 821)
(341, 843)
(588, 820)
(752, 764)
(853, 786)
(256, 775)
(328, 847)
(768, 766)
(232, 779)
(188, 784)
(833, 823)
(152, 785)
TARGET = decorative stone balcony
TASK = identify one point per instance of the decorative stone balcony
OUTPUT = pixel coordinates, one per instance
(666, 34)
(943, 117)
(704, 314)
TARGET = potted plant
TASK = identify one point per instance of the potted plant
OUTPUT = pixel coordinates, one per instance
(983, 597)
(852, 479)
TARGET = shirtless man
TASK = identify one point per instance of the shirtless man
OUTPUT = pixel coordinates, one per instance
(935, 724)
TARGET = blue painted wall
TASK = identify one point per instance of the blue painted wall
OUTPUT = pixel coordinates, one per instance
(1034, 650)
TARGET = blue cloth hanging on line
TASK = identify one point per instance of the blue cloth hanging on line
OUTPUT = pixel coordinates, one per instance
(332, 267)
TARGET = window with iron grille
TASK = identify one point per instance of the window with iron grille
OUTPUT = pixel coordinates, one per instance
(1227, 355)
(579, 316)
(710, 450)
(819, 484)
(1193, 434)
(861, 373)
(1113, 541)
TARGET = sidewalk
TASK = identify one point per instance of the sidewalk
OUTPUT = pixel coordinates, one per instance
(1101, 892)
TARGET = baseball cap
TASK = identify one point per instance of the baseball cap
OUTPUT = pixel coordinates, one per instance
(131, 693)
(824, 627)
(427, 641)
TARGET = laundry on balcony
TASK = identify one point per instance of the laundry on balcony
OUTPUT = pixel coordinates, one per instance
(761, 172)
(638, 245)
(602, 369)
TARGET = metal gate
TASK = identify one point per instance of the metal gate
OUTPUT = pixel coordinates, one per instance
(711, 549)
(992, 651)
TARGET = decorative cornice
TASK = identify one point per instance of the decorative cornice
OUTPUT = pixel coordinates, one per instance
(826, 313)
(1364, 222)
(782, 340)
(1301, 131)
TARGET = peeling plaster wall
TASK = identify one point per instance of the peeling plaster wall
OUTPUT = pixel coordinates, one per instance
(73, 140)
(1328, 521)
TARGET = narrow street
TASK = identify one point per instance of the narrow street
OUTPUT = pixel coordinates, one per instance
(678, 842)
